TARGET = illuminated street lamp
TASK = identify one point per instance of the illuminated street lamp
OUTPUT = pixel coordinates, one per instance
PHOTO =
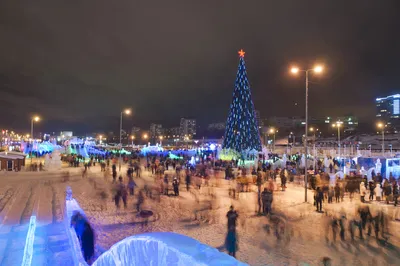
(101, 138)
(382, 127)
(161, 138)
(296, 70)
(127, 112)
(273, 131)
(338, 125)
(34, 119)
(132, 138)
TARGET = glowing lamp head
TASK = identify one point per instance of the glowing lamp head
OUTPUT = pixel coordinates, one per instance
(272, 131)
(145, 136)
(132, 137)
(311, 129)
(380, 125)
(36, 118)
(294, 70)
(127, 111)
(161, 137)
(318, 69)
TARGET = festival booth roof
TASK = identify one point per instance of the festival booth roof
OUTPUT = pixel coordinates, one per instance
(12, 155)
(163, 248)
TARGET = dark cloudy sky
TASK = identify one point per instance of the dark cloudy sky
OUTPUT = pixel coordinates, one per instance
(77, 63)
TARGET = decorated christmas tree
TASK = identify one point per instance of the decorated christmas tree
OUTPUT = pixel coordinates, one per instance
(241, 133)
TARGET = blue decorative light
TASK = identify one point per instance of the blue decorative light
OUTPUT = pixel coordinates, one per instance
(30, 237)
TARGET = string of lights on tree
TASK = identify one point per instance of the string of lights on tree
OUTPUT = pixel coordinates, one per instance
(241, 131)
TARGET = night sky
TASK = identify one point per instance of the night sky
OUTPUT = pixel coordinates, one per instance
(78, 63)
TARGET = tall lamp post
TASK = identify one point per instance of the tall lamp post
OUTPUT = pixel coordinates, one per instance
(161, 138)
(132, 138)
(314, 139)
(295, 70)
(145, 137)
(382, 127)
(273, 131)
(337, 125)
(34, 119)
(127, 112)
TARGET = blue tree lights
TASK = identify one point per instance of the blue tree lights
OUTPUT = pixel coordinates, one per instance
(241, 133)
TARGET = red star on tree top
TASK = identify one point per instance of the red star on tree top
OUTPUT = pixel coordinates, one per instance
(241, 53)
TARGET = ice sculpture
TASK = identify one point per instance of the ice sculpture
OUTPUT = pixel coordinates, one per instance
(378, 166)
(303, 161)
(53, 161)
(284, 159)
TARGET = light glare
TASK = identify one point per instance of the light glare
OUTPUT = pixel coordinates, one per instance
(318, 69)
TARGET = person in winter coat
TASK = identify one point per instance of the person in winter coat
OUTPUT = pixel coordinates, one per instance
(88, 243)
(122, 191)
(371, 186)
(331, 193)
(395, 192)
(175, 184)
(140, 201)
(231, 242)
(166, 185)
(78, 222)
(188, 179)
(337, 192)
(319, 196)
(232, 217)
(362, 191)
(387, 190)
(268, 202)
(283, 182)
(264, 199)
(131, 186)
(378, 192)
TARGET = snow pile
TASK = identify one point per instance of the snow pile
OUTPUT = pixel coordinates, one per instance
(163, 248)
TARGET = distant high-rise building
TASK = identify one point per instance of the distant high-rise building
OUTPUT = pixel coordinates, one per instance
(388, 110)
(216, 126)
(172, 133)
(155, 131)
(187, 127)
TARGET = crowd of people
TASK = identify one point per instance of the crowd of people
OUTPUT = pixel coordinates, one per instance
(263, 179)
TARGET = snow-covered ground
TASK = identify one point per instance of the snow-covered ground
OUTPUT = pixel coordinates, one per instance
(22, 194)
(305, 242)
